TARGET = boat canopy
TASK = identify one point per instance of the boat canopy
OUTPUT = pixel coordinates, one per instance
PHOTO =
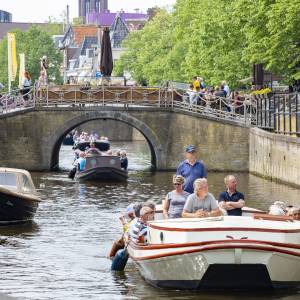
(16, 179)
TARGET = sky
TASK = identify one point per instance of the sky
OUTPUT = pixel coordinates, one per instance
(40, 10)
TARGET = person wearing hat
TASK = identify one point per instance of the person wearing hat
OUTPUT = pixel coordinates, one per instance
(175, 200)
(191, 169)
(138, 233)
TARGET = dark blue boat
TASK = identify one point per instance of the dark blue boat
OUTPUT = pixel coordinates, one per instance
(18, 197)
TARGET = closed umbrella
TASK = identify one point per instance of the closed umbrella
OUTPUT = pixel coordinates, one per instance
(106, 62)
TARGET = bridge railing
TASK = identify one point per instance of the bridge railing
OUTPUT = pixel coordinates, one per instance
(17, 99)
(166, 96)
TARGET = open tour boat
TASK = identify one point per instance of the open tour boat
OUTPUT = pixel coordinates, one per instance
(256, 251)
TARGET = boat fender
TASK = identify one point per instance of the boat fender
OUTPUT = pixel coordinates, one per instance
(120, 260)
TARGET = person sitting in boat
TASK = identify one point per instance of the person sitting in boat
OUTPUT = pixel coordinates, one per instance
(201, 204)
(124, 160)
(93, 150)
(231, 200)
(175, 200)
(81, 161)
(128, 217)
(137, 210)
(139, 230)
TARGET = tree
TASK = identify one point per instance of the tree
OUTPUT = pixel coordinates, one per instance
(218, 40)
(35, 43)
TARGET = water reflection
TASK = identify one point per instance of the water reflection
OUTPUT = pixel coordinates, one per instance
(63, 254)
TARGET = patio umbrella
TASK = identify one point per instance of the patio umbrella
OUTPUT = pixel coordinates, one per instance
(106, 62)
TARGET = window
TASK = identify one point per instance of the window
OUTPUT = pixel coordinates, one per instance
(26, 185)
(8, 179)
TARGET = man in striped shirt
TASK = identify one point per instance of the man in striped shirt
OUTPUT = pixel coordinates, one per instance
(138, 232)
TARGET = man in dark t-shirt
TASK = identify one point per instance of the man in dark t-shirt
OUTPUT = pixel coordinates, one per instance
(231, 200)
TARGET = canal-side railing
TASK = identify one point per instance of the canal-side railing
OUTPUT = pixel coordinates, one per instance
(279, 113)
(165, 97)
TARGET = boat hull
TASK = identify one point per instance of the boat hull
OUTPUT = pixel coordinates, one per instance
(16, 209)
(236, 268)
(221, 252)
(103, 173)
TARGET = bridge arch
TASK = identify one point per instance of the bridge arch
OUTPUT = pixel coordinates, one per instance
(57, 137)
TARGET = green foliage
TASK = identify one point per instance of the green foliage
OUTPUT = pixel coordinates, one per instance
(35, 43)
(218, 40)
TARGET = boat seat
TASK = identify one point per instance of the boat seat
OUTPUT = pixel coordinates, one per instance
(273, 217)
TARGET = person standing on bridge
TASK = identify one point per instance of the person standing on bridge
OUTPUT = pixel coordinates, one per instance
(191, 169)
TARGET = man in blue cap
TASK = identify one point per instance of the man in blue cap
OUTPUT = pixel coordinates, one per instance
(191, 169)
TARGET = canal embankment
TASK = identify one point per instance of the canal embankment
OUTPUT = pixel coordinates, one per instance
(274, 156)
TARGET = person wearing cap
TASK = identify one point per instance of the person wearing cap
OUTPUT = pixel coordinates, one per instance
(201, 204)
(191, 169)
(138, 232)
(175, 200)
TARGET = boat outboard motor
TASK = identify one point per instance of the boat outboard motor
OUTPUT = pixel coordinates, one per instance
(72, 173)
(120, 260)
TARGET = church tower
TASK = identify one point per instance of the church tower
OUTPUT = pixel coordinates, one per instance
(88, 6)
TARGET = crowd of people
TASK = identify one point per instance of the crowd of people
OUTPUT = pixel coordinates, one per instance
(79, 161)
(199, 94)
(190, 198)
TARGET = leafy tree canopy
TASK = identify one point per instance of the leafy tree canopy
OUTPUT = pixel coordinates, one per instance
(35, 43)
(218, 40)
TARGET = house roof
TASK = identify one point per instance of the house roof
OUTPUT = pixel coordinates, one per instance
(82, 31)
(87, 43)
(107, 18)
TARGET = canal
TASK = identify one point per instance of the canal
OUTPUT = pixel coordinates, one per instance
(63, 254)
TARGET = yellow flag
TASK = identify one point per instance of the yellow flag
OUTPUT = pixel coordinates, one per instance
(12, 56)
(22, 70)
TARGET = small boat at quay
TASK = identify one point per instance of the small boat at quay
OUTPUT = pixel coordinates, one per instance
(103, 167)
(18, 197)
(68, 140)
(254, 251)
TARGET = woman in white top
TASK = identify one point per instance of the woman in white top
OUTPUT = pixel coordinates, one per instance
(26, 85)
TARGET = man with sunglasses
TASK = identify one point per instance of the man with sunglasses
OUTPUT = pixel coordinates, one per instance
(191, 169)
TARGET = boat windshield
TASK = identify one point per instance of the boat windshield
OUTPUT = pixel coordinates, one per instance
(25, 184)
(8, 179)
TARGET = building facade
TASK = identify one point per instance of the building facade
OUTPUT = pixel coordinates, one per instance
(5, 17)
(89, 6)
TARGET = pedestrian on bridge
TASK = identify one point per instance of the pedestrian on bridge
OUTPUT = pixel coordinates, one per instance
(191, 169)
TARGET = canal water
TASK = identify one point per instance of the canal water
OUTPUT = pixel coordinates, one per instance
(63, 254)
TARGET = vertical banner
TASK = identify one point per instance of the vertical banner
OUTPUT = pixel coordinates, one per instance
(12, 57)
(21, 70)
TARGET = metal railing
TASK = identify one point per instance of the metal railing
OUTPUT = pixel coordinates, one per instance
(165, 97)
(279, 113)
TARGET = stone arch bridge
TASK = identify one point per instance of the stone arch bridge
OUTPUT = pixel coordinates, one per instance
(31, 135)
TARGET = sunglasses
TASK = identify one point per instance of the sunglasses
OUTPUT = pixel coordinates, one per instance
(177, 183)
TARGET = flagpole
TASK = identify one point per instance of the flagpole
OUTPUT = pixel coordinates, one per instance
(9, 62)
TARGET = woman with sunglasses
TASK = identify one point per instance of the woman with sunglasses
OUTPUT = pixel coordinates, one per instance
(175, 200)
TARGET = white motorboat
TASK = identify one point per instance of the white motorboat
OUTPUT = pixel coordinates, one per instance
(258, 251)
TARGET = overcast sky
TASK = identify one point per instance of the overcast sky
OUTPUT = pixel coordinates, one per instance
(40, 10)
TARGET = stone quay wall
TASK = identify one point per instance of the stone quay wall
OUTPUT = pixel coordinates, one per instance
(274, 156)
